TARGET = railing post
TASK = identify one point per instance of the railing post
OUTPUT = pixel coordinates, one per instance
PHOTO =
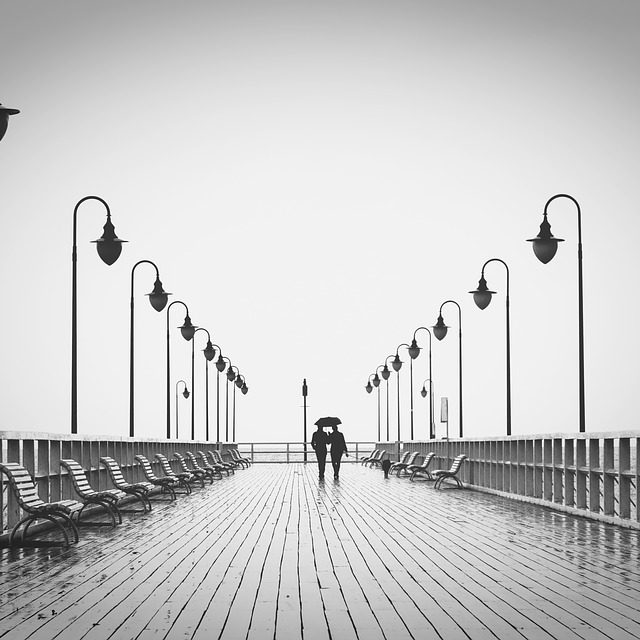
(538, 469)
(624, 476)
(581, 473)
(609, 479)
(569, 473)
(548, 470)
(558, 493)
(594, 475)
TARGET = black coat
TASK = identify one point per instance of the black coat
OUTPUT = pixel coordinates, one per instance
(338, 445)
(319, 442)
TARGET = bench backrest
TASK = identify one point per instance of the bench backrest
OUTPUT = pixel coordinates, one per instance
(193, 461)
(427, 459)
(215, 455)
(457, 463)
(78, 477)
(412, 457)
(22, 485)
(146, 466)
(164, 463)
(405, 455)
(181, 462)
(114, 471)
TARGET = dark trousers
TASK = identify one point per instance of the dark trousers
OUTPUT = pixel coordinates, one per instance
(322, 459)
(335, 462)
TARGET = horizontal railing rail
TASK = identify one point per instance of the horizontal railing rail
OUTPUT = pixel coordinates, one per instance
(40, 454)
(595, 475)
(287, 452)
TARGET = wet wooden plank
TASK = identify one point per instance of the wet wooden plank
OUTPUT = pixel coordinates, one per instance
(271, 552)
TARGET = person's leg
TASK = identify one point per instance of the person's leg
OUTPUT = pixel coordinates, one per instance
(321, 464)
(335, 462)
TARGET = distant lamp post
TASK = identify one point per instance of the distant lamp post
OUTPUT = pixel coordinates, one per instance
(187, 330)
(237, 384)
(369, 388)
(397, 365)
(5, 112)
(440, 331)
(414, 352)
(185, 393)
(109, 248)
(230, 375)
(158, 299)
(220, 367)
(482, 297)
(545, 246)
(209, 354)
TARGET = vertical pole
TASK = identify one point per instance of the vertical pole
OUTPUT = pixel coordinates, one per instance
(74, 333)
(226, 413)
(581, 327)
(378, 390)
(176, 410)
(193, 390)
(217, 409)
(508, 363)
(305, 391)
(387, 381)
(432, 426)
(233, 422)
(411, 395)
(169, 382)
(398, 390)
(206, 384)
(131, 365)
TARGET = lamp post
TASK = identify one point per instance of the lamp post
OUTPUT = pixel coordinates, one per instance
(240, 384)
(414, 352)
(158, 299)
(231, 375)
(187, 330)
(209, 354)
(185, 393)
(423, 393)
(397, 365)
(369, 389)
(440, 331)
(545, 246)
(220, 366)
(482, 298)
(385, 373)
(5, 112)
(109, 247)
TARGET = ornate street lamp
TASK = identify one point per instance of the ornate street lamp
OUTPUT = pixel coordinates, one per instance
(545, 246)
(109, 249)
(209, 354)
(482, 297)
(185, 393)
(386, 373)
(414, 352)
(237, 383)
(158, 299)
(5, 112)
(230, 376)
(369, 388)
(220, 367)
(440, 331)
(397, 365)
(187, 331)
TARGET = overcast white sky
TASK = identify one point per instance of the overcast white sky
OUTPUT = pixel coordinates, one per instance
(314, 179)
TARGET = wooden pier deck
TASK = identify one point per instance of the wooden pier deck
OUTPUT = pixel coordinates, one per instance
(272, 553)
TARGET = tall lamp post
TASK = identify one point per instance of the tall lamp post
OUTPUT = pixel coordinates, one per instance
(385, 373)
(369, 389)
(424, 393)
(5, 112)
(545, 246)
(242, 385)
(440, 331)
(187, 330)
(231, 376)
(158, 299)
(414, 352)
(209, 354)
(220, 367)
(482, 298)
(109, 249)
(185, 393)
(397, 365)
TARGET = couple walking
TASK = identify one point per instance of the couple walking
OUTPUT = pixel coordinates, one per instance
(338, 446)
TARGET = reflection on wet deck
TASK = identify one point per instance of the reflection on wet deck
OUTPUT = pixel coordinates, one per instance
(271, 553)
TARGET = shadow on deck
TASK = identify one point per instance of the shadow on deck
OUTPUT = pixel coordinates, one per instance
(271, 553)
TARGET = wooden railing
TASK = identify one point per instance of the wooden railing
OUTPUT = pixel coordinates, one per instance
(595, 475)
(40, 453)
(287, 452)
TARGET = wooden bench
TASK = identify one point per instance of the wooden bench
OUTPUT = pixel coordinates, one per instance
(165, 483)
(58, 513)
(219, 467)
(400, 467)
(217, 459)
(442, 474)
(418, 470)
(375, 454)
(107, 499)
(236, 457)
(198, 473)
(139, 490)
(184, 478)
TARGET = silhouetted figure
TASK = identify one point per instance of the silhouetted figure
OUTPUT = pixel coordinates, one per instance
(338, 447)
(319, 442)
(386, 465)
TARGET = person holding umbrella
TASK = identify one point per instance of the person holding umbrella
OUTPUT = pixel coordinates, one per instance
(319, 442)
(336, 439)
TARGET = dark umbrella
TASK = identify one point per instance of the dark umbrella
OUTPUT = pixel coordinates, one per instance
(328, 422)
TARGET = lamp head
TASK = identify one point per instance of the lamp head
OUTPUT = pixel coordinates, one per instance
(239, 382)
(209, 351)
(369, 388)
(376, 380)
(423, 392)
(396, 363)
(109, 246)
(187, 329)
(414, 349)
(545, 244)
(244, 389)
(385, 372)
(440, 328)
(186, 393)
(482, 295)
(5, 112)
(158, 297)
(220, 363)
(231, 374)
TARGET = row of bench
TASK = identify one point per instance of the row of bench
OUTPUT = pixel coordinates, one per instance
(195, 469)
(407, 466)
